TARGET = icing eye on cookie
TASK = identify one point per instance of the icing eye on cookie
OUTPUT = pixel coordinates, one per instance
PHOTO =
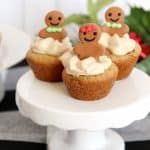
(50, 18)
(115, 14)
(89, 33)
(54, 18)
(59, 18)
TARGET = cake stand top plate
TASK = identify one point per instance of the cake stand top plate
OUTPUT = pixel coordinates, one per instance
(50, 104)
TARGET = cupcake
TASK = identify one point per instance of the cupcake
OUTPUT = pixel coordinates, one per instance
(89, 74)
(123, 51)
(52, 42)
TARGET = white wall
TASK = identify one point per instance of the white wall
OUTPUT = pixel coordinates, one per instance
(11, 12)
(35, 12)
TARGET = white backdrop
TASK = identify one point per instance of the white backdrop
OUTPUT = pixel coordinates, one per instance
(29, 14)
(11, 12)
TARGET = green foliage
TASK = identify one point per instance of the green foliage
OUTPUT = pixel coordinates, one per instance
(144, 65)
(139, 22)
(78, 19)
(100, 4)
(93, 7)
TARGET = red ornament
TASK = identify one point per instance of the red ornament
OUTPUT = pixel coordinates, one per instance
(145, 48)
(136, 37)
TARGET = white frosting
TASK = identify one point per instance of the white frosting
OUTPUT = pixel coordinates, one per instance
(116, 44)
(50, 46)
(88, 67)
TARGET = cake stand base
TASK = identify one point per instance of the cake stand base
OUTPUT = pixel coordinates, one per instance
(85, 140)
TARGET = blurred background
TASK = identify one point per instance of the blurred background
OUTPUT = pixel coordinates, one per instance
(28, 16)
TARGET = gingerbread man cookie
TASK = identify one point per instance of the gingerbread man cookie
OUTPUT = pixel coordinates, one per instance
(89, 35)
(115, 22)
(54, 21)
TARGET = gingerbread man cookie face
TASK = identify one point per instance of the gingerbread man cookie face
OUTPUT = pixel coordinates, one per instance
(54, 21)
(115, 14)
(54, 18)
(89, 33)
(115, 22)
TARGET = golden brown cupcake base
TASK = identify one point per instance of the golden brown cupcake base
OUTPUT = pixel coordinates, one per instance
(45, 67)
(126, 63)
(90, 88)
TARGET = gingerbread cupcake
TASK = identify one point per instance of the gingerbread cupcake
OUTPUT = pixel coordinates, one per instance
(89, 74)
(123, 51)
(51, 42)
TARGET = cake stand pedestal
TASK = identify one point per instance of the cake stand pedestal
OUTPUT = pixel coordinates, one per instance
(83, 125)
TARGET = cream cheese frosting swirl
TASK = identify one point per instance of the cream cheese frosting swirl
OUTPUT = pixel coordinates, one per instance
(50, 46)
(87, 67)
(116, 44)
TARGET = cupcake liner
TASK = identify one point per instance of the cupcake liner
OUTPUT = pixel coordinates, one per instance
(90, 88)
(126, 63)
(45, 67)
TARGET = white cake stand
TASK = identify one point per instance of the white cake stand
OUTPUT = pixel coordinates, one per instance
(84, 125)
(13, 48)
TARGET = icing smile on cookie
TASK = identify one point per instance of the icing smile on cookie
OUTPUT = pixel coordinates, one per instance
(54, 24)
(89, 40)
(114, 20)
